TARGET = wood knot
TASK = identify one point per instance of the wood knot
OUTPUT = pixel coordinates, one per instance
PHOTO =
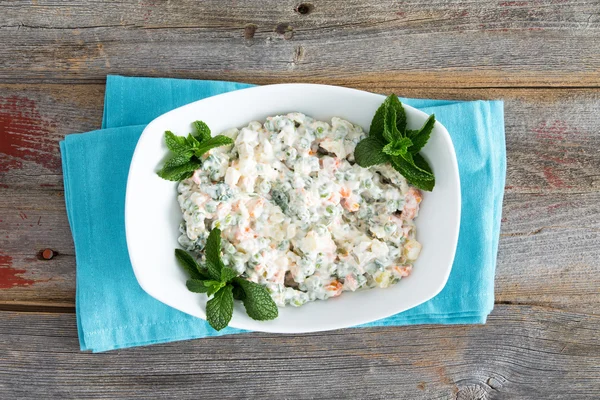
(471, 392)
(286, 30)
(47, 254)
(249, 31)
(304, 8)
(495, 382)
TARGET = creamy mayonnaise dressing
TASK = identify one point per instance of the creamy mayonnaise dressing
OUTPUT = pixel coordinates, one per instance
(297, 214)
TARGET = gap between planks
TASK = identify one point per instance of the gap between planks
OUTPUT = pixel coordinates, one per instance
(347, 82)
(66, 308)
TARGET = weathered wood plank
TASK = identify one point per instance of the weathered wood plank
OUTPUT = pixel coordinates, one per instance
(552, 135)
(522, 352)
(549, 251)
(33, 119)
(433, 44)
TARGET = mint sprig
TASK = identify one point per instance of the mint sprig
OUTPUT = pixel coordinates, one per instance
(390, 142)
(188, 151)
(224, 284)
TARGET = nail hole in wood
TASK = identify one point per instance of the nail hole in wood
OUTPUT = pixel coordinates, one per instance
(47, 254)
(304, 8)
(286, 30)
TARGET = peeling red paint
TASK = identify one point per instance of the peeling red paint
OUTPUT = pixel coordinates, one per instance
(148, 9)
(558, 160)
(513, 3)
(552, 208)
(46, 185)
(9, 277)
(25, 135)
(552, 179)
(401, 14)
(4, 186)
(556, 131)
(22, 215)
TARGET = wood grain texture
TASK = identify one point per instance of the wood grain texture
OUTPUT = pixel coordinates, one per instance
(434, 43)
(522, 352)
(552, 134)
(549, 250)
(550, 229)
(541, 56)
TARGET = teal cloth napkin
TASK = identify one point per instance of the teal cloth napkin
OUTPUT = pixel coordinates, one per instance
(114, 312)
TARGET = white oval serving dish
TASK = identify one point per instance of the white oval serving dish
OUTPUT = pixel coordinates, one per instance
(152, 214)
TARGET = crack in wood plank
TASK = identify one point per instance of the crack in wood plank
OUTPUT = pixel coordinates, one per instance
(539, 230)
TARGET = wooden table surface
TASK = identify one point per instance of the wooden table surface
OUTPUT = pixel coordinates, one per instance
(541, 56)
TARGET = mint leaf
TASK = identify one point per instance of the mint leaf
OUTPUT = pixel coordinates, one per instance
(369, 151)
(178, 160)
(409, 169)
(425, 175)
(397, 147)
(212, 251)
(192, 142)
(213, 286)
(421, 138)
(257, 300)
(392, 112)
(414, 175)
(219, 309)
(227, 274)
(173, 171)
(175, 143)
(422, 163)
(190, 265)
(196, 286)
(390, 130)
(423, 185)
(202, 131)
(389, 121)
(378, 123)
(211, 143)
(398, 109)
(238, 293)
(214, 269)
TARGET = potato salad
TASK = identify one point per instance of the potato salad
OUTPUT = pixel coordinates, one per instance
(297, 214)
